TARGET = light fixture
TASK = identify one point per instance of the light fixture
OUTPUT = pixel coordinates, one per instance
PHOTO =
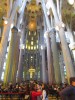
(31, 42)
(28, 47)
(31, 47)
(5, 22)
(34, 47)
(71, 2)
(32, 25)
(31, 56)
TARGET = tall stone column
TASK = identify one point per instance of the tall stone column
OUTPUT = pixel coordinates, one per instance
(44, 76)
(61, 62)
(51, 78)
(15, 56)
(65, 49)
(40, 64)
(55, 59)
(4, 40)
(11, 62)
(20, 67)
(5, 35)
(66, 54)
(36, 74)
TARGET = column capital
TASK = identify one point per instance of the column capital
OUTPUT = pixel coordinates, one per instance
(14, 29)
(72, 46)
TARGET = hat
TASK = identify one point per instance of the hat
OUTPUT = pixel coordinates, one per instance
(72, 79)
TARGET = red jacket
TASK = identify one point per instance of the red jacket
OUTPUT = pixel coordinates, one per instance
(34, 95)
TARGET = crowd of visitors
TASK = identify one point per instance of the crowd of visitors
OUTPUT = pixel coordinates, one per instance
(33, 90)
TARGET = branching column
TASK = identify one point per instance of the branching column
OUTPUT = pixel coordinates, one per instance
(65, 49)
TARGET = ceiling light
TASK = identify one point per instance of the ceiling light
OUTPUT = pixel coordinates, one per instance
(71, 2)
(31, 56)
(5, 22)
(32, 25)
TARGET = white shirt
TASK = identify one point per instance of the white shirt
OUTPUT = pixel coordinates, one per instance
(44, 95)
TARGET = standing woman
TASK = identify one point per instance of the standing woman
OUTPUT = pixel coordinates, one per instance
(44, 92)
(34, 93)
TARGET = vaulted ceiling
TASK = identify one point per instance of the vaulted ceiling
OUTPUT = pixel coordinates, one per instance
(68, 12)
(3, 10)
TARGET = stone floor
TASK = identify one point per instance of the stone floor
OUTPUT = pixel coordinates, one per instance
(16, 98)
(50, 98)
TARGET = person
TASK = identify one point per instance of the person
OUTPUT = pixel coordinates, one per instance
(68, 93)
(44, 92)
(34, 93)
(39, 88)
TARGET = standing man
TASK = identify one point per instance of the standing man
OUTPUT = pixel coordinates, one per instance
(68, 93)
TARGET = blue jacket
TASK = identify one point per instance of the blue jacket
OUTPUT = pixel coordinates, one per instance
(68, 93)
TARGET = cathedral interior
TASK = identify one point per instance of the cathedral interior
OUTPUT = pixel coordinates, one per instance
(37, 40)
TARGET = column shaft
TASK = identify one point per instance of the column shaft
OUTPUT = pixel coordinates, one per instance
(66, 54)
(65, 50)
(55, 59)
(11, 62)
(20, 67)
(43, 66)
(5, 35)
(50, 62)
(61, 67)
